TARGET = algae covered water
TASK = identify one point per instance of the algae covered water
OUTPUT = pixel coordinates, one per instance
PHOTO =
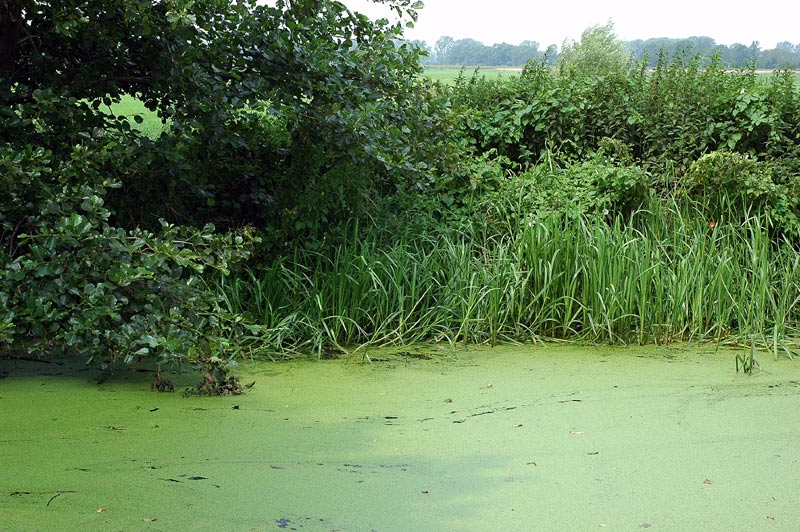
(504, 439)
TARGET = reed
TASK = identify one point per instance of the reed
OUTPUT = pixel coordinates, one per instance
(666, 273)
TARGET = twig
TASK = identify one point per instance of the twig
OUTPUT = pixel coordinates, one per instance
(32, 359)
(126, 80)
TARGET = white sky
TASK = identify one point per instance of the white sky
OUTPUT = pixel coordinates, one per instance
(552, 21)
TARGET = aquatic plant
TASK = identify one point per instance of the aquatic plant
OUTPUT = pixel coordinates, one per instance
(661, 275)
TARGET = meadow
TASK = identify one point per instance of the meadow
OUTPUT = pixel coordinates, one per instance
(129, 106)
(450, 73)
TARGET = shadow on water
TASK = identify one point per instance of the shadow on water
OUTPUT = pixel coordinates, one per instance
(511, 438)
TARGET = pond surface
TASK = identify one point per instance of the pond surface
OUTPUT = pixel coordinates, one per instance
(505, 439)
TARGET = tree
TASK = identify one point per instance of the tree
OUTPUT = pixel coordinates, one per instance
(465, 52)
(442, 48)
(270, 109)
(599, 53)
(474, 53)
(424, 49)
(778, 58)
(755, 49)
(737, 55)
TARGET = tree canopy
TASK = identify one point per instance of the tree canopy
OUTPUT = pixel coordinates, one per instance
(450, 51)
(270, 111)
(599, 52)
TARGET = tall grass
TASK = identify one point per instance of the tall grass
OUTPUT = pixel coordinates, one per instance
(664, 274)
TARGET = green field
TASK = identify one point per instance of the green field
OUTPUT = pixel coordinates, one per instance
(448, 74)
(131, 107)
(767, 75)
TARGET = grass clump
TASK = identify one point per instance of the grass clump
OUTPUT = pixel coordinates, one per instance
(665, 273)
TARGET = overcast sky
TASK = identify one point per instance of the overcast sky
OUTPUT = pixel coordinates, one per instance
(552, 21)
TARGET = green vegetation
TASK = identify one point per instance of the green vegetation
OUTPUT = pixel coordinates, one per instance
(668, 273)
(307, 190)
(598, 53)
(148, 123)
(449, 74)
(450, 51)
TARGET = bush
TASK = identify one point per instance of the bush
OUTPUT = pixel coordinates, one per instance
(731, 185)
(72, 283)
(599, 188)
(599, 53)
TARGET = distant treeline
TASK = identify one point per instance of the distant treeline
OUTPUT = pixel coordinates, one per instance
(450, 51)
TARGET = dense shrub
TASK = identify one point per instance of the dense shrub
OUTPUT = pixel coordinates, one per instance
(73, 283)
(567, 201)
(280, 116)
(668, 117)
(596, 188)
(730, 184)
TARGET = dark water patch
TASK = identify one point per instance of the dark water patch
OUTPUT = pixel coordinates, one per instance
(306, 523)
(52, 494)
(418, 356)
(400, 467)
(193, 477)
(373, 469)
(485, 411)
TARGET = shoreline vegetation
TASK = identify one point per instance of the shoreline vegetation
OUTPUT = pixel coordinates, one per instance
(250, 209)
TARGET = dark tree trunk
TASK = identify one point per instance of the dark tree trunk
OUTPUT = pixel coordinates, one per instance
(9, 35)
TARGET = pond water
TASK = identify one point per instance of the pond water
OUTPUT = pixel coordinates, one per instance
(513, 438)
